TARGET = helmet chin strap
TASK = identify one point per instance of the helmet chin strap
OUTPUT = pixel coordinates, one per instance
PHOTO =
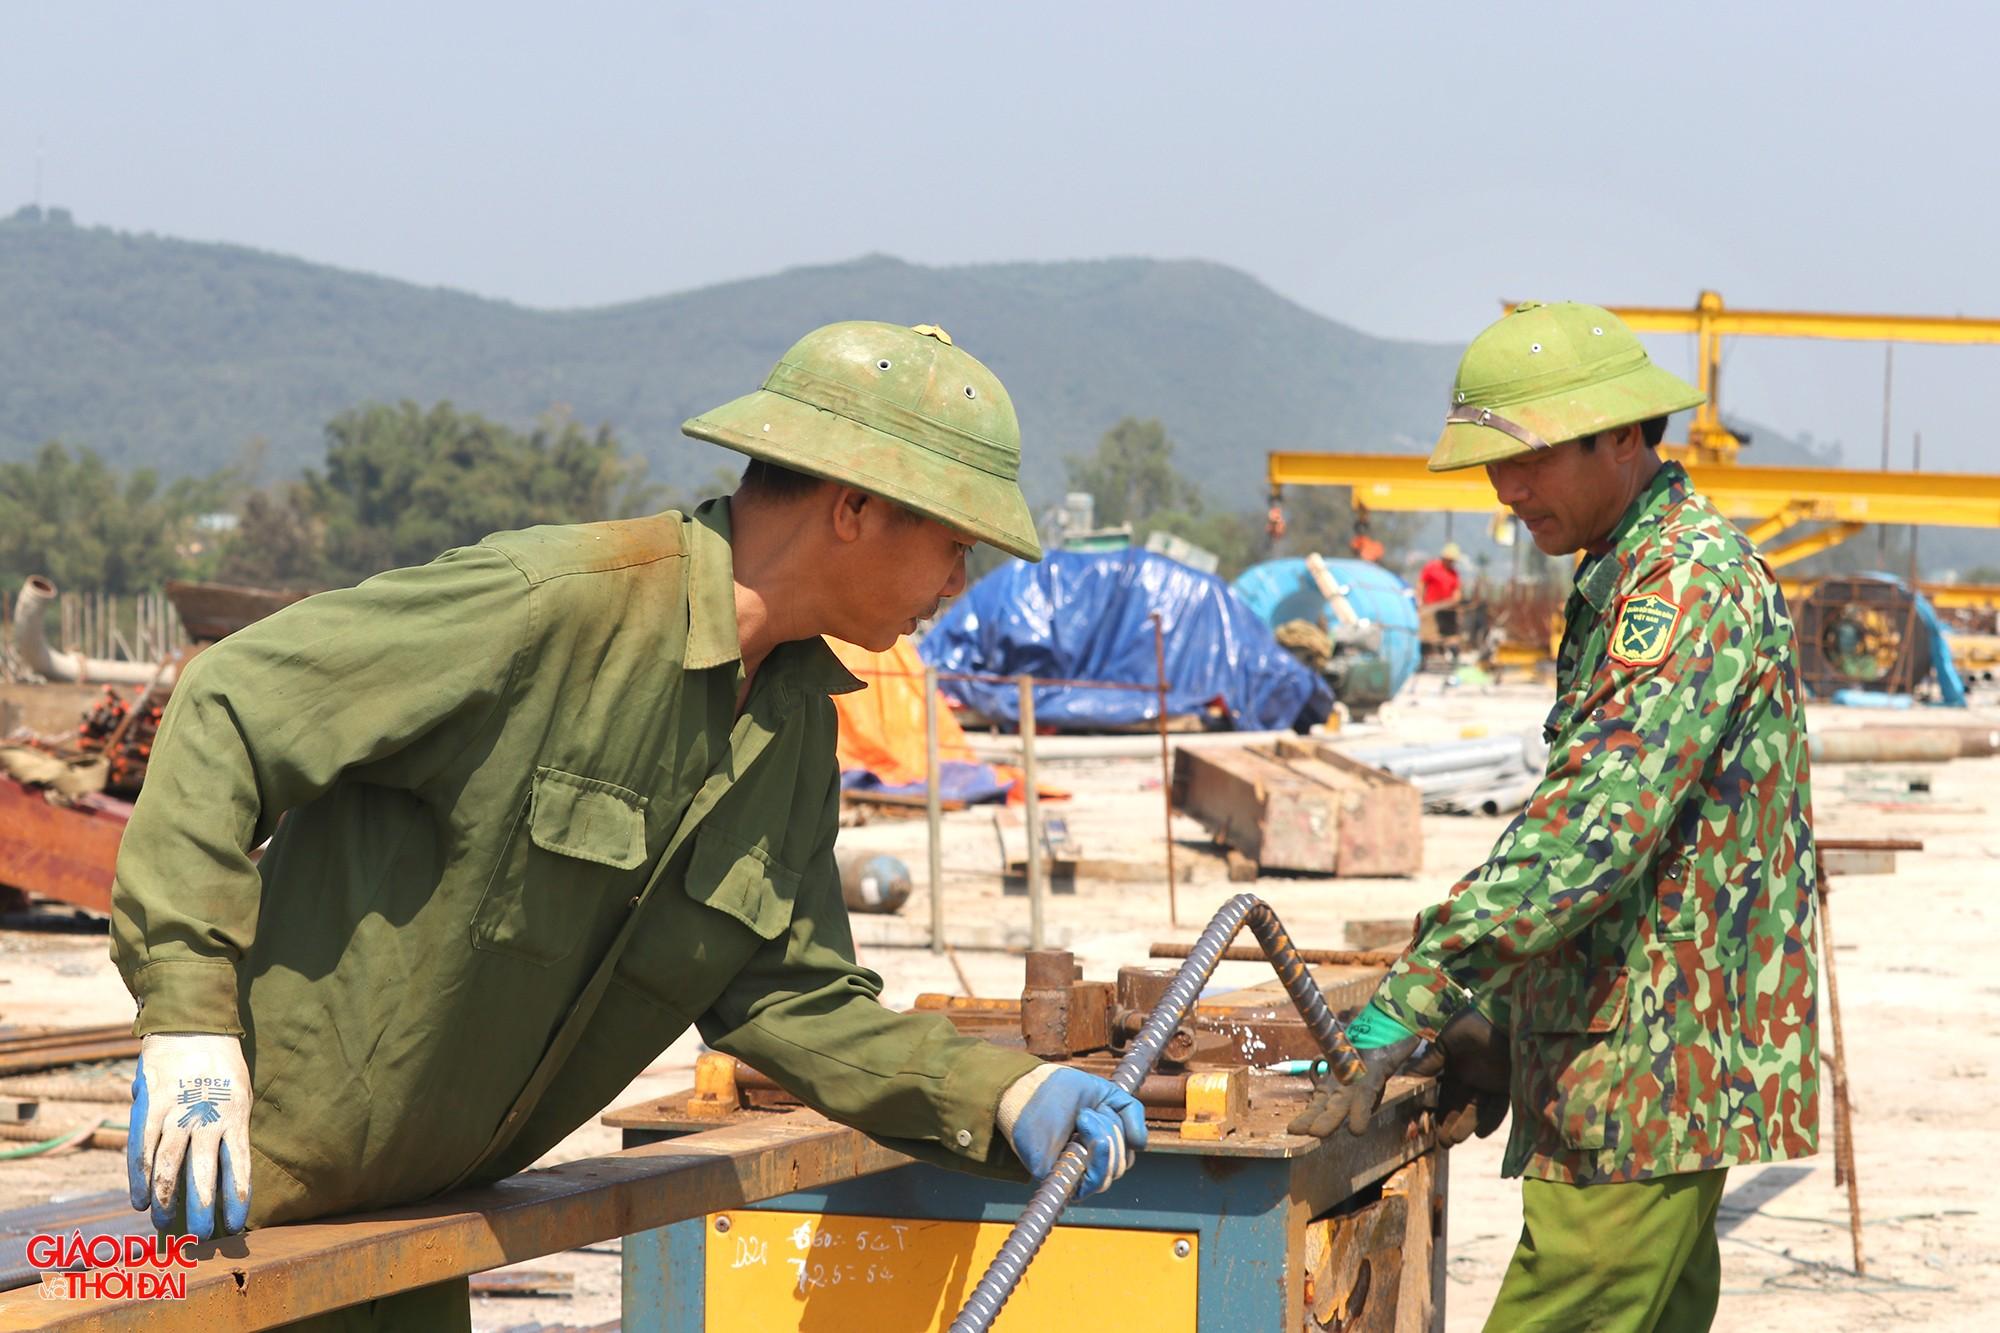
(1486, 416)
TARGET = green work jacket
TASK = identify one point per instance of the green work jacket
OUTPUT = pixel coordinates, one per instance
(526, 843)
(1648, 920)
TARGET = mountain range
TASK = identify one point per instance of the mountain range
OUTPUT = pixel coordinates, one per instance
(177, 355)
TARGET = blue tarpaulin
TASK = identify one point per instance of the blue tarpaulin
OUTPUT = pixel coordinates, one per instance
(1084, 616)
(1282, 590)
(1951, 686)
(957, 781)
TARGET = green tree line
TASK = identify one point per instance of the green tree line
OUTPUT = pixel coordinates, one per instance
(400, 483)
(1135, 477)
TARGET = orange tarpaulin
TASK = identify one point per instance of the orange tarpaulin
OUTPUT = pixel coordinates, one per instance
(882, 727)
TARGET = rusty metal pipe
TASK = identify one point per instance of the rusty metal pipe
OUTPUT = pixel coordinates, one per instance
(67, 1088)
(1053, 1194)
(1166, 767)
(1031, 812)
(1843, 1108)
(31, 642)
(1244, 953)
(934, 814)
(105, 1136)
(1869, 844)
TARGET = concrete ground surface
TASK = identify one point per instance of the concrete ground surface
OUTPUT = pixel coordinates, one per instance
(1920, 995)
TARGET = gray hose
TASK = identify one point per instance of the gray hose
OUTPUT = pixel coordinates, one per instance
(1053, 1194)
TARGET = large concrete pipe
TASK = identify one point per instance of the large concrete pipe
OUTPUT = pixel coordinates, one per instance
(1883, 745)
(31, 642)
(1976, 740)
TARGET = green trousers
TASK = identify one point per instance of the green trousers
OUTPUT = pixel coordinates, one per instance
(1636, 1257)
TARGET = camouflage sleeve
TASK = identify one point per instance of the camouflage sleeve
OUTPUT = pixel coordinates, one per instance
(1631, 743)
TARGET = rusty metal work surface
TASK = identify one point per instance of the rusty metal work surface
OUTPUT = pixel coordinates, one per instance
(279, 1274)
(1274, 1100)
(1237, 1033)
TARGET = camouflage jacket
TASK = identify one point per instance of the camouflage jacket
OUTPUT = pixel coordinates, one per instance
(1647, 923)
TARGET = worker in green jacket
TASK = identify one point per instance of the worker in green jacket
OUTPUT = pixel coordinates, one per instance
(546, 803)
(1645, 927)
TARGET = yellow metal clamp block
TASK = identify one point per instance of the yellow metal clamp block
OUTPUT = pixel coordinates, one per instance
(715, 1093)
(1217, 1104)
(768, 1272)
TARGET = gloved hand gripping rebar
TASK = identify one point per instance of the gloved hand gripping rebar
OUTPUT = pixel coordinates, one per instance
(1054, 1193)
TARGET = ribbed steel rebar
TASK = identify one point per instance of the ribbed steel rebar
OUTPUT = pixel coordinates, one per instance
(1053, 1194)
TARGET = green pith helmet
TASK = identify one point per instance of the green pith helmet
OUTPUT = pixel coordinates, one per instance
(898, 412)
(1548, 373)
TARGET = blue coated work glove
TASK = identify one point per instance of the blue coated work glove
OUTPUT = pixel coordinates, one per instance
(1043, 1109)
(191, 1113)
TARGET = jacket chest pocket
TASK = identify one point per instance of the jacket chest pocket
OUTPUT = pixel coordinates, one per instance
(734, 899)
(1571, 1054)
(569, 861)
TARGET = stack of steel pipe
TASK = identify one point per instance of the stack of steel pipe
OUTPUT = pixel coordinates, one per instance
(1490, 776)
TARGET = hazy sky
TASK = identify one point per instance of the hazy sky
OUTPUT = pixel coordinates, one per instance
(1398, 169)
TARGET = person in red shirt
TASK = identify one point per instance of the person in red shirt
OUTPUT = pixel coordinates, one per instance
(1437, 598)
(1438, 581)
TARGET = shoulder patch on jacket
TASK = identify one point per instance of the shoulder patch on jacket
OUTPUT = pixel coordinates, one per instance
(1645, 630)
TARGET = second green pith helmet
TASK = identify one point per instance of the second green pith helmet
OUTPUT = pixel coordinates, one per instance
(898, 412)
(1548, 373)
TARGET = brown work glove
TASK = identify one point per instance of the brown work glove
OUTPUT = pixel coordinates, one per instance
(1473, 1063)
(1353, 1104)
(1463, 1112)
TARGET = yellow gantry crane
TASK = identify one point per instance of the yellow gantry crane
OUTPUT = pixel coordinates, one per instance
(1767, 500)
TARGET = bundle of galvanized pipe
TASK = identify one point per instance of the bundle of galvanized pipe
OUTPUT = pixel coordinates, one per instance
(1488, 776)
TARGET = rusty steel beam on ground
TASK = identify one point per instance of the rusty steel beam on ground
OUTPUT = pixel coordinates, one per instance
(1250, 953)
(61, 852)
(279, 1274)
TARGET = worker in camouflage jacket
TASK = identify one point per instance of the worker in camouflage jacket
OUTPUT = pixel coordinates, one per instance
(1645, 928)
